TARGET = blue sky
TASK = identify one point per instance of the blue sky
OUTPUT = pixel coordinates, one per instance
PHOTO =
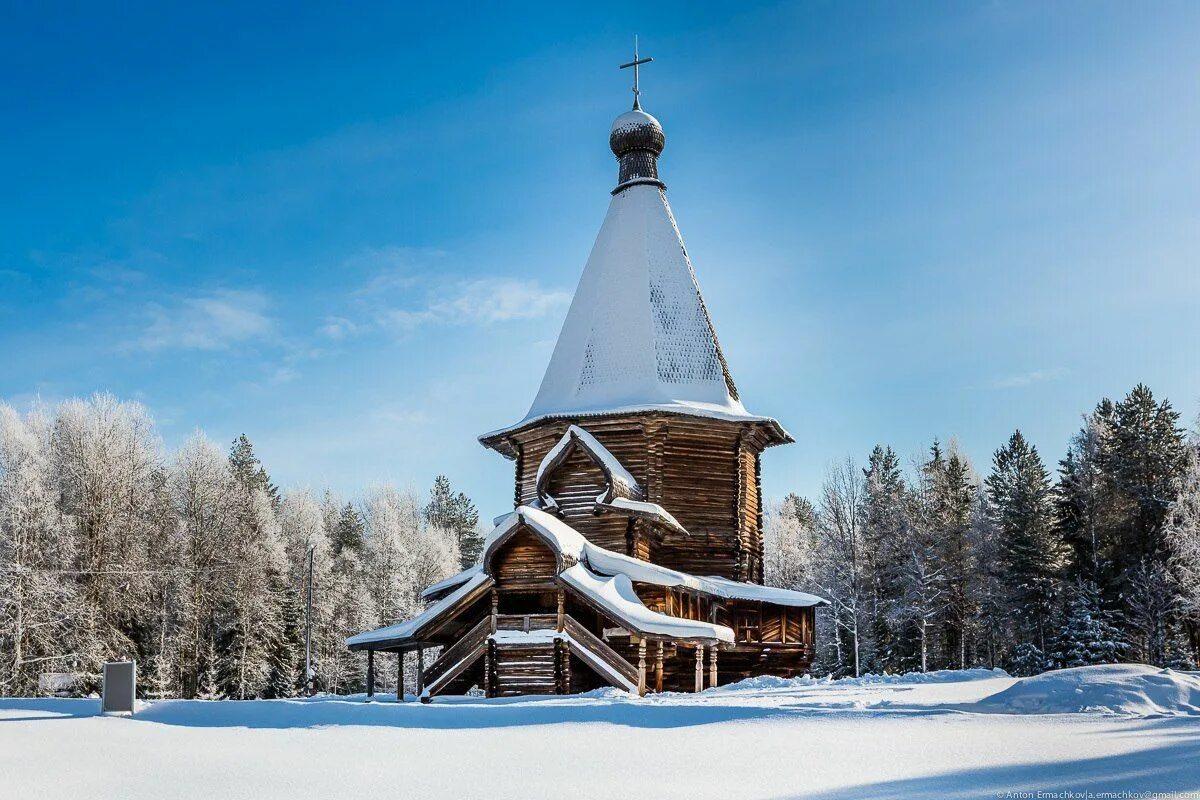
(352, 231)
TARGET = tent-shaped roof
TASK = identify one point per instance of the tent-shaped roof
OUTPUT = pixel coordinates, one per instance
(638, 336)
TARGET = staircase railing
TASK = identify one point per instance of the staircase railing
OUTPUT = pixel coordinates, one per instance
(600, 650)
(459, 650)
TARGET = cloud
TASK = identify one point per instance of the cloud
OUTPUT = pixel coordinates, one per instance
(484, 301)
(339, 328)
(1028, 378)
(212, 321)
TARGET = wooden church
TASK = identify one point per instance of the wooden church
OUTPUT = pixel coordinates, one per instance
(634, 555)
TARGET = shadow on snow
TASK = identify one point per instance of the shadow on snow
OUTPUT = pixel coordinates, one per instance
(1167, 768)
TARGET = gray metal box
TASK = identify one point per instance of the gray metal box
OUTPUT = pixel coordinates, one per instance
(120, 686)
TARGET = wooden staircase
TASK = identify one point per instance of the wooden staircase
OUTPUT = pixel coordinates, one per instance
(538, 666)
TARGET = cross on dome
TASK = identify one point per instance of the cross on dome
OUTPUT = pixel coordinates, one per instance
(637, 62)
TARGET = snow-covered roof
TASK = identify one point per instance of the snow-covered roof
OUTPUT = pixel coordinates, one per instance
(644, 508)
(410, 628)
(572, 543)
(623, 484)
(449, 583)
(638, 335)
(616, 596)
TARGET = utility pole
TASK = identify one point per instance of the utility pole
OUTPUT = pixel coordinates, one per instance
(308, 673)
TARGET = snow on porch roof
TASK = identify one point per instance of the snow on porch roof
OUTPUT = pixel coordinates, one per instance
(409, 628)
(638, 336)
(607, 562)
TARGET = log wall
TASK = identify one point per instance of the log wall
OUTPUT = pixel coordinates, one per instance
(705, 472)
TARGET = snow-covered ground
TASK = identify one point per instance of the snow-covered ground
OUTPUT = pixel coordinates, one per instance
(971, 734)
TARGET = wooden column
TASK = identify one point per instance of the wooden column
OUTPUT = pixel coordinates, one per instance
(487, 671)
(400, 677)
(370, 674)
(642, 668)
(420, 671)
(699, 668)
(495, 608)
(562, 610)
(712, 666)
(658, 668)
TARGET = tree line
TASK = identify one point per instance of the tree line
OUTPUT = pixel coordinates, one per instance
(931, 565)
(194, 563)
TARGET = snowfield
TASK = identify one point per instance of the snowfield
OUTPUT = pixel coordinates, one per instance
(970, 734)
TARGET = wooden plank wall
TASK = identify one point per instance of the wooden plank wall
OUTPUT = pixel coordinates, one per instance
(524, 562)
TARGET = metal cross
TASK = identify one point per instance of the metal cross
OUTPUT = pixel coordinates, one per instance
(635, 64)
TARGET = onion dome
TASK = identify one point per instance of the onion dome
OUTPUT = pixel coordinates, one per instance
(637, 139)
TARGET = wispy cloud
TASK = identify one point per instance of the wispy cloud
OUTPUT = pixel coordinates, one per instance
(483, 301)
(1029, 378)
(212, 321)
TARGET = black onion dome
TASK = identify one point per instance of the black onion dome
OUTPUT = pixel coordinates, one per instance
(636, 140)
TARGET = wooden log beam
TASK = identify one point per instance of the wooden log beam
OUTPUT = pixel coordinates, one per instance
(370, 674)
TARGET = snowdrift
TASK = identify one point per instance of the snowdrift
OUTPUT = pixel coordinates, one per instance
(1126, 689)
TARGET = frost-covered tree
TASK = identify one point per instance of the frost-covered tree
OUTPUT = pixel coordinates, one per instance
(1088, 635)
(789, 543)
(841, 569)
(1182, 535)
(38, 598)
(206, 505)
(1151, 606)
(106, 456)
(404, 552)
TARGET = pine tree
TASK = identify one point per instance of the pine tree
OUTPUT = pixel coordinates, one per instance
(1088, 635)
(1030, 553)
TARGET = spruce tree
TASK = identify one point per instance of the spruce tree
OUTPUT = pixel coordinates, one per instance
(347, 531)
(1030, 552)
(1088, 634)
(1147, 461)
(884, 535)
(454, 512)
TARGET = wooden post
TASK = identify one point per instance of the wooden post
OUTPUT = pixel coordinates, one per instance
(562, 611)
(642, 668)
(420, 671)
(712, 666)
(487, 671)
(400, 676)
(370, 674)
(658, 668)
(699, 668)
(495, 608)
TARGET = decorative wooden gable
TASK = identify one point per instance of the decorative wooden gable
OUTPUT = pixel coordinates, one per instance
(578, 445)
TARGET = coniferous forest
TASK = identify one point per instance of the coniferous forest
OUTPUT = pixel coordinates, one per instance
(1021, 563)
(196, 565)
